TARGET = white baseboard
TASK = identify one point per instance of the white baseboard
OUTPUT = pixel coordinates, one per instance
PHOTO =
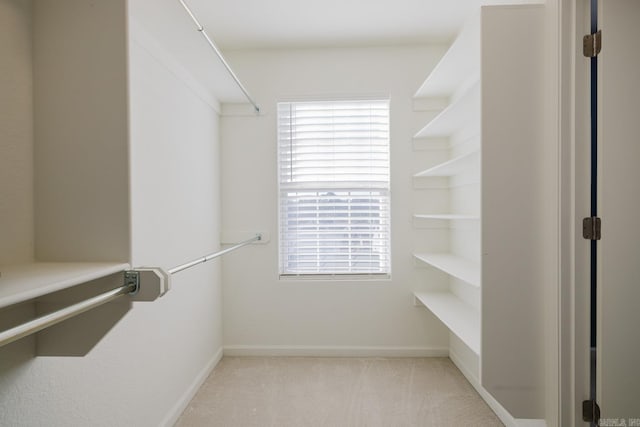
(183, 402)
(502, 413)
(530, 423)
(333, 351)
(496, 407)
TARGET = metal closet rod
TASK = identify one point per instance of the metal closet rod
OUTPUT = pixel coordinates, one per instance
(190, 264)
(43, 322)
(200, 28)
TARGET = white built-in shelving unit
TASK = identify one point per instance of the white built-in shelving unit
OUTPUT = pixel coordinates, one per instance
(80, 151)
(483, 140)
(455, 79)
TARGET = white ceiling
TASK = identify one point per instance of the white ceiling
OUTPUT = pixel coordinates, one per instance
(259, 24)
(241, 24)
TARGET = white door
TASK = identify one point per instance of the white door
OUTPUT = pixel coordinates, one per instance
(618, 363)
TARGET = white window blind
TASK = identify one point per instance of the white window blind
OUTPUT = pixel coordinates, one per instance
(334, 187)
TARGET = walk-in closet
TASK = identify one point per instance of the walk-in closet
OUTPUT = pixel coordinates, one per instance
(303, 213)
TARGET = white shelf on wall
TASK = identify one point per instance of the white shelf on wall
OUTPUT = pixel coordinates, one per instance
(447, 217)
(23, 282)
(462, 110)
(430, 144)
(454, 166)
(441, 221)
(461, 318)
(459, 65)
(453, 265)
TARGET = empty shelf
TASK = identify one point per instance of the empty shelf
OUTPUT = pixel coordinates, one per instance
(454, 166)
(444, 221)
(461, 61)
(22, 282)
(453, 265)
(461, 318)
(463, 113)
(447, 217)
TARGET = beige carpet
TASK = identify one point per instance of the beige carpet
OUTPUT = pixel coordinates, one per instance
(367, 392)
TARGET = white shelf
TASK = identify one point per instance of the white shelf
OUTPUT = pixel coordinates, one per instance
(453, 265)
(461, 318)
(430, 144)
(447, 217)
(459, 64)
(463, 112)
(446, 221)
(22, 282)
(454, 166)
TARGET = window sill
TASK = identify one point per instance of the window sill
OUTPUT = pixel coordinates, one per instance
(336, 277)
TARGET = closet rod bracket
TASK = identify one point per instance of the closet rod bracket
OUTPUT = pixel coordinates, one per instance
(147, 283)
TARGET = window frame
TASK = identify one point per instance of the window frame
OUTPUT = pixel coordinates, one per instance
(337, 276)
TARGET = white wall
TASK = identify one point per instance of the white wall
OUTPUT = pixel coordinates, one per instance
(80, 127)
(175, 217)
(263, 314)
(146, 368)
(16, 132)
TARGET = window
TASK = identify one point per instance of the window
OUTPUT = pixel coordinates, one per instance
(334, 188)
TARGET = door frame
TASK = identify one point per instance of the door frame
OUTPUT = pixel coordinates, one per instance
(574, 307)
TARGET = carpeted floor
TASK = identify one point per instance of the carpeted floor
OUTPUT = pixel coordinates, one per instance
(336, 392)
